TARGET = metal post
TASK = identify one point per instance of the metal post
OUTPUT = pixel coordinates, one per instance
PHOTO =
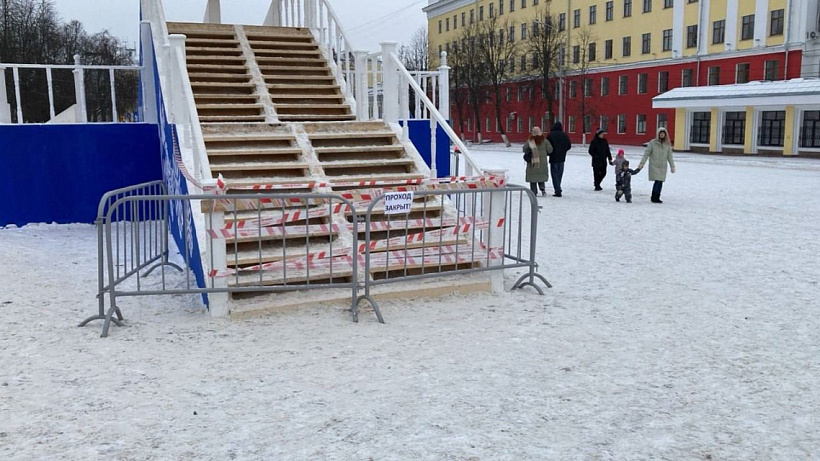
(361, 85)
(213, 12)
(50, 82)
(433, 147)
(80, 111)
(217, 255)
(113, 96)
(390, 83)
(495, 209)
(5, 107)
(444, 87)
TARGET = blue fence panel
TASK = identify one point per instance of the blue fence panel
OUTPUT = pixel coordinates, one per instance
(420, 136)
(58, 173)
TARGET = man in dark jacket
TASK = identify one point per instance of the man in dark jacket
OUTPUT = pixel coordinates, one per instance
(560, 147)
(599, 150)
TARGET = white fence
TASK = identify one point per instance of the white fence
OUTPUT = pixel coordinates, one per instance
(78, 113)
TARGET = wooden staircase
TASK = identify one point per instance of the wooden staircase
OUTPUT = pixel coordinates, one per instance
(272, 113)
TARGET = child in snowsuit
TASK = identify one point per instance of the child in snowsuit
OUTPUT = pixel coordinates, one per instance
(624, 182)
(619, 160)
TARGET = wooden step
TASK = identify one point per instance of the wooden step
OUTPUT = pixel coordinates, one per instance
(217, 68)
(272, 71)
(248, 137)
(352, 134)
(305, 80)
(370, 163)
(235, 60)
(231, 98)
(307, 98)
(217, 78)
(277, 44)
(316, 118)
(200, 51)
(284, 61)
(231, 118)
(259, 166)
(256, 106)
(305, 87)
(209, 41)
(254, 151)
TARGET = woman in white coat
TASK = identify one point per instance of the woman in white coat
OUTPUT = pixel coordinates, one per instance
(659, 154)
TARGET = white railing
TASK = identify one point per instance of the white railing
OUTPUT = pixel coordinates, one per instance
(180, 105)
(79, 111)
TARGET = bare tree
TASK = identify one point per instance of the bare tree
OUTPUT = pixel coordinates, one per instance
(582, 56)
(415, 54)
(472, 71)
(497, 54)
(458, 94)
(544, 43)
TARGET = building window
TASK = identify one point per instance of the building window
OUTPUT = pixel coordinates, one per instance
(663, 81)
(523, 62)
(686, 77)
(487, 123)
(593, 14)
(701, 124)
(573, 89)
(536, 61)
(463, 21)
(492, 10)
(455, 22)
(587, 87)
(532, 122)
(523, 3)
(608, 49)
(713, 76)
(572, 124)
(524, 31)
(646, 43)
(520, 124)
(512, 65)
(770, 69)
(562, 22)
(647, 6)
(562, 55)
(692, 36)
(576, 19)
(734, 128)
(576, 54)
(610, 8)
(603, 123)
(472, 16)
(810, 130)
(439, 27)
(621, 123)
(643, 80)
(500, 12)
(605, 86)
(776, 25)
(509, 96)
(640, 126)
(747, 29)
(623, 84)
(511, 35)
(668, 4)
(512, 6)
(627, 8)
(587, 123)
(627, 46)
(742, 73)
(593, 48)
(661, 120)
(447, 24)
(719, 31)
(469, 124)
(772, 128)
(667, 40)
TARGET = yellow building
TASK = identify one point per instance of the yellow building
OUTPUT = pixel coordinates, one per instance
(639, 49)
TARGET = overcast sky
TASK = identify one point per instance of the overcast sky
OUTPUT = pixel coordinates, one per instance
(368, 22)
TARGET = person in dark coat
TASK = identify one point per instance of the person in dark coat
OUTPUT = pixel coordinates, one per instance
(600, 153)
(560, 146)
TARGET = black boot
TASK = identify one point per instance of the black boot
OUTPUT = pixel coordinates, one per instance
(656, 199)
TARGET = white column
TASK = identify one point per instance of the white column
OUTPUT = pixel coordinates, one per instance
(390, 83)
(274, 16)
(149, 91)
(761, 22)
(217, 259)
(213, 12)
(361, 86)
(80, 112)
(678, 29)
(5, 107)
(177, 42)
(444, 87)
(433, 146)
(494, 209)
(730, 35)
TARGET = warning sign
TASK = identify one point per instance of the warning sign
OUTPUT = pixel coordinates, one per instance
(398, 202)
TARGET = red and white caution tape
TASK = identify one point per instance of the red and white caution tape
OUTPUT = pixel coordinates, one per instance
(381, 226)
(422, 237)
(338, 257)
(274, 231)
(289, 217)
(384, 183)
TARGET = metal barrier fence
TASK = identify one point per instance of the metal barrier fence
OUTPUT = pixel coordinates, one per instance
(454, 232)
(280, 242)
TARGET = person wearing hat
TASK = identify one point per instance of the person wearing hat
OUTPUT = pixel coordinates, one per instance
(600, 153)
(560, 146)
(536, 150)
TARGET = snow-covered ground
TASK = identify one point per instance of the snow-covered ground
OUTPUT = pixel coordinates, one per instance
(683, 331)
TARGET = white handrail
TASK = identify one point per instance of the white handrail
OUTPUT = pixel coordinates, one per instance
(202, 166)
(435, 115)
